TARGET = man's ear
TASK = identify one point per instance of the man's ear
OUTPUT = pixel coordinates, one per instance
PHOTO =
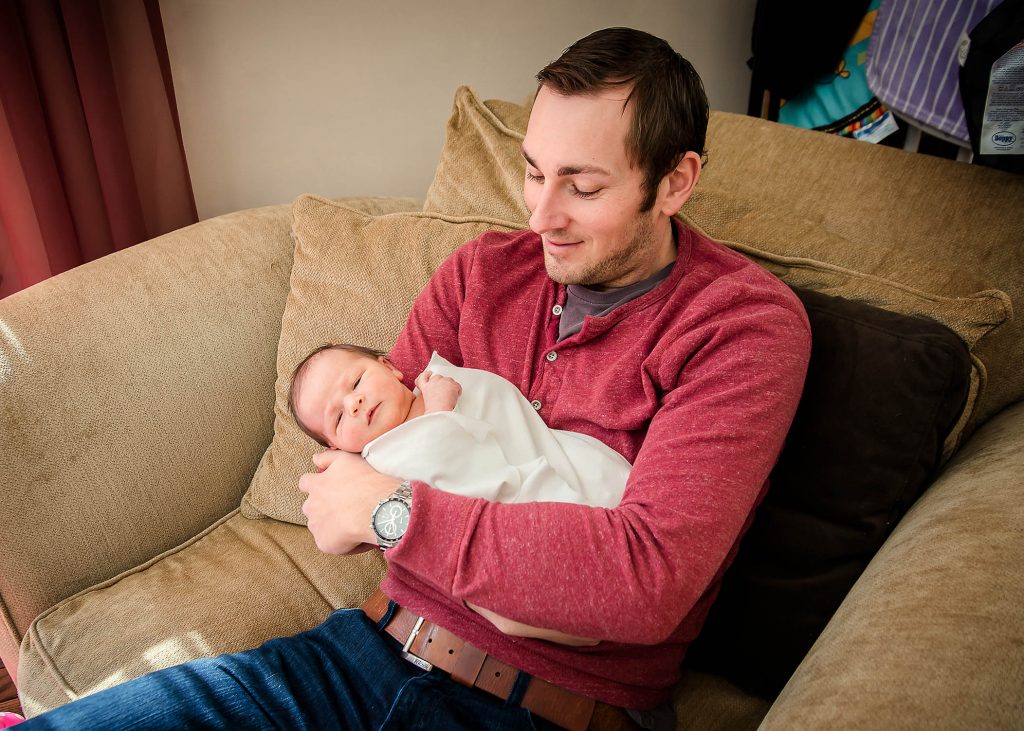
(677, 187)
(384, 359)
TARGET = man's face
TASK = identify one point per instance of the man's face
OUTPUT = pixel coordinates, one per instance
(349, 399)
(584, 196)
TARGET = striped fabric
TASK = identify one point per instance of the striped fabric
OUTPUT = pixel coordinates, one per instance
(912, 61)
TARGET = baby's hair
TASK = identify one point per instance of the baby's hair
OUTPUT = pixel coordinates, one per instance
(348, 348)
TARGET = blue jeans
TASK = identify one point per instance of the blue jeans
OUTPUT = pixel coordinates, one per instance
(345, 674)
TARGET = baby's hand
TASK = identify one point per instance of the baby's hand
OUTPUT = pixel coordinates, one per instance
(440, 393)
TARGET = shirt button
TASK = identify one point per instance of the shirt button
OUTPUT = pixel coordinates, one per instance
(535, 404)
(552, 356)
(557, 310)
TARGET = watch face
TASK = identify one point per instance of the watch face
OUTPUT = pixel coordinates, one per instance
(391, 519)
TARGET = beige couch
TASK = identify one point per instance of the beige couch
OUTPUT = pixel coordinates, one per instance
(141, 407)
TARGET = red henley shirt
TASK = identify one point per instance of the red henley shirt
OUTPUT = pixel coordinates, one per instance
(695, 383)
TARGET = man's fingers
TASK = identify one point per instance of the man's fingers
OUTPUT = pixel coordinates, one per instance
(323, 460)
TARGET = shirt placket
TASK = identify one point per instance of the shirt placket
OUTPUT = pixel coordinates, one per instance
(546, 388)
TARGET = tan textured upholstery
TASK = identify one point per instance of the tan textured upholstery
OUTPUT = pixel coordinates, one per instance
(839, 217)
(481, 167)
(135, 394)
(354, 279)
(932, 634)
(229, 589)
(109, 455)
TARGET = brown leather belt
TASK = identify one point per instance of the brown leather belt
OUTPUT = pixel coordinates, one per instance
(427, 646)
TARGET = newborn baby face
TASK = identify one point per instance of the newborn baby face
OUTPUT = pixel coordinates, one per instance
(350, 399)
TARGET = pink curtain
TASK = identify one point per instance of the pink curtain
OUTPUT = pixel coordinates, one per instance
(91, 158)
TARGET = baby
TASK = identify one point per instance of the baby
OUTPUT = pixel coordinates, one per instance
(462, 430)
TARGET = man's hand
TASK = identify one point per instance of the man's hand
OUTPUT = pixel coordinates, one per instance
(340, 500)
(440, 393)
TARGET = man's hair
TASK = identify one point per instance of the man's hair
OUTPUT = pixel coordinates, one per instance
(670, 108)
(300, 369)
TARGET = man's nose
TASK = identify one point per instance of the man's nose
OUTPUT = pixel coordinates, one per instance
(549, 212)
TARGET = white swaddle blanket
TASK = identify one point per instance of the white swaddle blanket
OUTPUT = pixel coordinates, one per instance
(494, 445)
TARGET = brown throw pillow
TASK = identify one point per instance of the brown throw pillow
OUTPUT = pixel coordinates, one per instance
(882, 392)
(354, 279)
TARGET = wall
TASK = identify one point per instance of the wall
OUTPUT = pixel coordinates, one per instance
(339, 97)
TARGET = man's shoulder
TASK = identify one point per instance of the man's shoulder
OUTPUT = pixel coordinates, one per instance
(498, 243)
(501, 251)
(732, 278)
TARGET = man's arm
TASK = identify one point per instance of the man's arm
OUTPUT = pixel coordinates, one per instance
(627, 574)
(630, 574)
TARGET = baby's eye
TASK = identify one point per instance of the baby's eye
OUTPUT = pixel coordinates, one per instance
(356, 384)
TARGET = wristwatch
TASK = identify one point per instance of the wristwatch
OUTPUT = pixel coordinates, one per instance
(391, 516)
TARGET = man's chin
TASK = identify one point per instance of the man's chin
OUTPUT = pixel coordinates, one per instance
(560, 273)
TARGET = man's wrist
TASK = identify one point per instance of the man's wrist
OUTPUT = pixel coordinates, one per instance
(390, 516)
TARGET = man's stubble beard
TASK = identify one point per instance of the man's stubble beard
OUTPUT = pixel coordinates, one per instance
(613, 267)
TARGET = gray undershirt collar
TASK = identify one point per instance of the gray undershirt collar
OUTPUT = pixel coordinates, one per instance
(581, 301)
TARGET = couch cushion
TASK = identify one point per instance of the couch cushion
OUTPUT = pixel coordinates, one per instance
(231, 588)
(882, 391)
(481, 167)
(932, 634)
(353, 280)
(905, 232)
(240, 583)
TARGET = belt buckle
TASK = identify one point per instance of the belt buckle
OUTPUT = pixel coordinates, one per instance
(417, 661)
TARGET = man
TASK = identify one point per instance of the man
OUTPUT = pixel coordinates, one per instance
(615, 321)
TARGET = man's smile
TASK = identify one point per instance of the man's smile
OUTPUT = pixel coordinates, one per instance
(559, 246)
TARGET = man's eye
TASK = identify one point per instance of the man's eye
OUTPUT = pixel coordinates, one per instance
(584, 193)
(535, 178)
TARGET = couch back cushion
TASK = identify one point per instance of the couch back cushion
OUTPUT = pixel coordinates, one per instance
(905, 232)
(354, 279)
(882, 392)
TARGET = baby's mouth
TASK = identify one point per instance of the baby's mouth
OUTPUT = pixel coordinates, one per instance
(369, 415)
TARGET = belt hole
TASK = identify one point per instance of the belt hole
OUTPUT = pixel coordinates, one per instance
(497, 674)
(451, 652)
(429, 640)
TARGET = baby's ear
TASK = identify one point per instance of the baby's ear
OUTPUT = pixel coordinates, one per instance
(384, 359)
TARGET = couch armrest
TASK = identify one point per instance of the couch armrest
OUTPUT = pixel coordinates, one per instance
(136, 399)
(932, 634)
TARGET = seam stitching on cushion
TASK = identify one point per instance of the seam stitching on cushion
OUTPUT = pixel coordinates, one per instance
(41, 647)
(467, 92)
(415, 214)
(986, 294)
(35, 641)
(804, 263)
(8, 621)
